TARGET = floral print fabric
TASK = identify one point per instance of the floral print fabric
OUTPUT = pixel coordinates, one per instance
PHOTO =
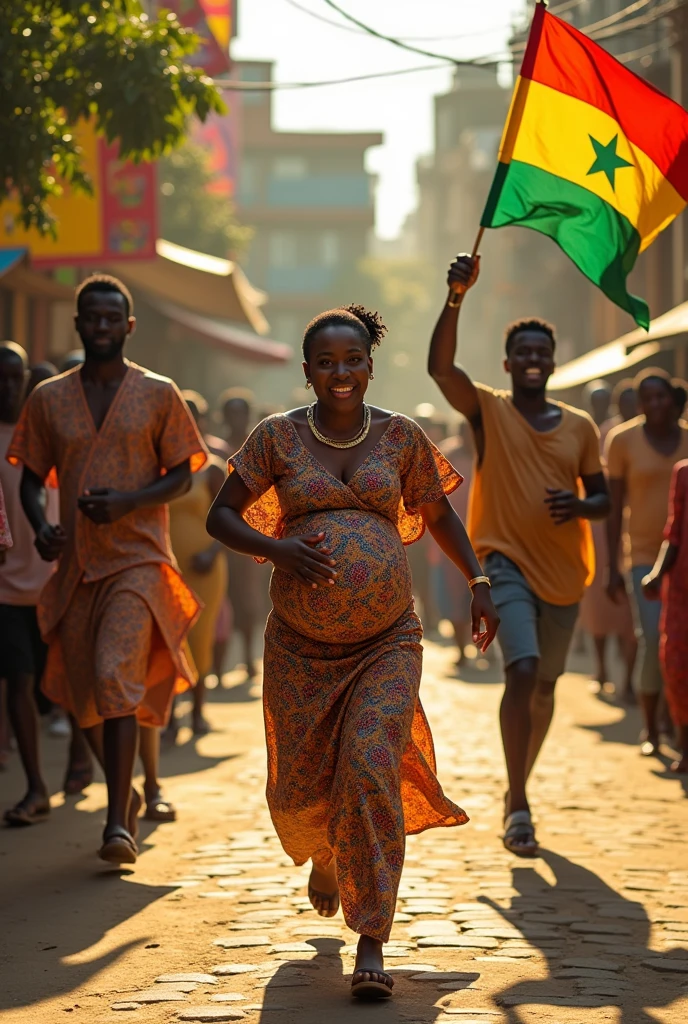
(351, 764)
(147, 431)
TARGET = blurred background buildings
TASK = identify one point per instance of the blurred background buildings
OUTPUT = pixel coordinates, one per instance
(253, 230)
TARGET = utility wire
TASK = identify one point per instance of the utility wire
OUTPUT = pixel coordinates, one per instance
(487, 60)
(406, 39)
(391, 39)
(604, 30)
(230, 85)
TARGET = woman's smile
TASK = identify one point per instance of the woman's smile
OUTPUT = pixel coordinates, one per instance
(342, 390)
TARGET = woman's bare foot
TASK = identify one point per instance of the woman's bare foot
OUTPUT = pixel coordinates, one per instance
(323, 890)
(370, 980)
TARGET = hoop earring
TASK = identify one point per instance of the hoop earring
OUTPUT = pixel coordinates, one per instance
(371, 377)
(308, 385)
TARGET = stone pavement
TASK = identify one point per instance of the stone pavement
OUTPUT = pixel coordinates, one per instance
(213, 923)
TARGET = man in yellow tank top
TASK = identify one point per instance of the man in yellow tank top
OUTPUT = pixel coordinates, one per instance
(528, 524)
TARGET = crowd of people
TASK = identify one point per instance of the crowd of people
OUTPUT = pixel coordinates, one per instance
(133, 543)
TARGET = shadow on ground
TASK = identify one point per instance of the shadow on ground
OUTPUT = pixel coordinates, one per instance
(323, 993)
(579, 893)
(59, 904)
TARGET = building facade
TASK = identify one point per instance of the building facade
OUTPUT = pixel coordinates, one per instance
(453, 184)
(310, 201)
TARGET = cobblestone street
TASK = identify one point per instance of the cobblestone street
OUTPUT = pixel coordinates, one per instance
(213, 924)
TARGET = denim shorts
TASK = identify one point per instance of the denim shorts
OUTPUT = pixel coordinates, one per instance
(530, 627)
(648, 615)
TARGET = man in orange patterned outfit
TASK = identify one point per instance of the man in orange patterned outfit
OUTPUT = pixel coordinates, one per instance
(116, 613)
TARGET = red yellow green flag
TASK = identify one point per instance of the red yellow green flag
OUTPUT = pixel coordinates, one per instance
(591, 155)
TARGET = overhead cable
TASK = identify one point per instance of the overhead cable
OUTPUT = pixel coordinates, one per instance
(392, 39)
(232, 85)
(406, 39)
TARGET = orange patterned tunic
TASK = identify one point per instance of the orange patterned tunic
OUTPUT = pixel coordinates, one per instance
(351, 763)
(116, 612)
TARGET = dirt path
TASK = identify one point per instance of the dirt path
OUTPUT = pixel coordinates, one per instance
(596, 930)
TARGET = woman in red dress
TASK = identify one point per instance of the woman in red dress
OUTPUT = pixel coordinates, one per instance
(668, 582)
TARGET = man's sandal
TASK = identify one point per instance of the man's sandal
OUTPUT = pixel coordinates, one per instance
(118, 847)
(29, 811)
(519, 834)
(159, 809)
(371, 990)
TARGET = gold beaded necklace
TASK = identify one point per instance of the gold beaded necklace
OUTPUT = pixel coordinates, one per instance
(352, 442)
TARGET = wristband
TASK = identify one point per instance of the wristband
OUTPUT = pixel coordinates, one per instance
(479, 579)
(455, 299)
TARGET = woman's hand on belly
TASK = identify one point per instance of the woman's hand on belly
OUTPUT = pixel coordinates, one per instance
(301, 558)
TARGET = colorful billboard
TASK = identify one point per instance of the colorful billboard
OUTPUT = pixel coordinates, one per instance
(213, 52)
(218, 14)
(118, 222)
(219, 137)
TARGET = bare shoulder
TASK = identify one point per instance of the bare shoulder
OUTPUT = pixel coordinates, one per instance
(295, 415)
(382, 417)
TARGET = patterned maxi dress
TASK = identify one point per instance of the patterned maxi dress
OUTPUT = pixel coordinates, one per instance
(351, 763)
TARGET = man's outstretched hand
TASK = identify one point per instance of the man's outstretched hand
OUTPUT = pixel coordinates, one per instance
(463, 273)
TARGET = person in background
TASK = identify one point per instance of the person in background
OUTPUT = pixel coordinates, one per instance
(218, 447)
(424, 556)
(668, 582)
(72, 359)
(116, 612)
(22, 651)
(5, 543)
(452, 596)
(529, 525)
(5, 532)
(58, 723)
(38, 373)
(598, 398)
(601, 617)
(201, 561)
(625, 401)
(640, 456)
(199, 408)
(248, 582)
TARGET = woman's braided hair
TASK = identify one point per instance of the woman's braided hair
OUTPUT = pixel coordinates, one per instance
(368, 324)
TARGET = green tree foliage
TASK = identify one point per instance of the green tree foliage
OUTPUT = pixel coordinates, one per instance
(62, 60)
(192, 216)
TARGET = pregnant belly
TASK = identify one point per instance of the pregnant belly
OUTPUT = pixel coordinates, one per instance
(372, 588)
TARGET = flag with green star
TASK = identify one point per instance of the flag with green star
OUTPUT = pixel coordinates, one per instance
(591, 155)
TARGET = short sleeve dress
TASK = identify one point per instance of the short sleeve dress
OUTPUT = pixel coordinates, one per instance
(351, 763)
